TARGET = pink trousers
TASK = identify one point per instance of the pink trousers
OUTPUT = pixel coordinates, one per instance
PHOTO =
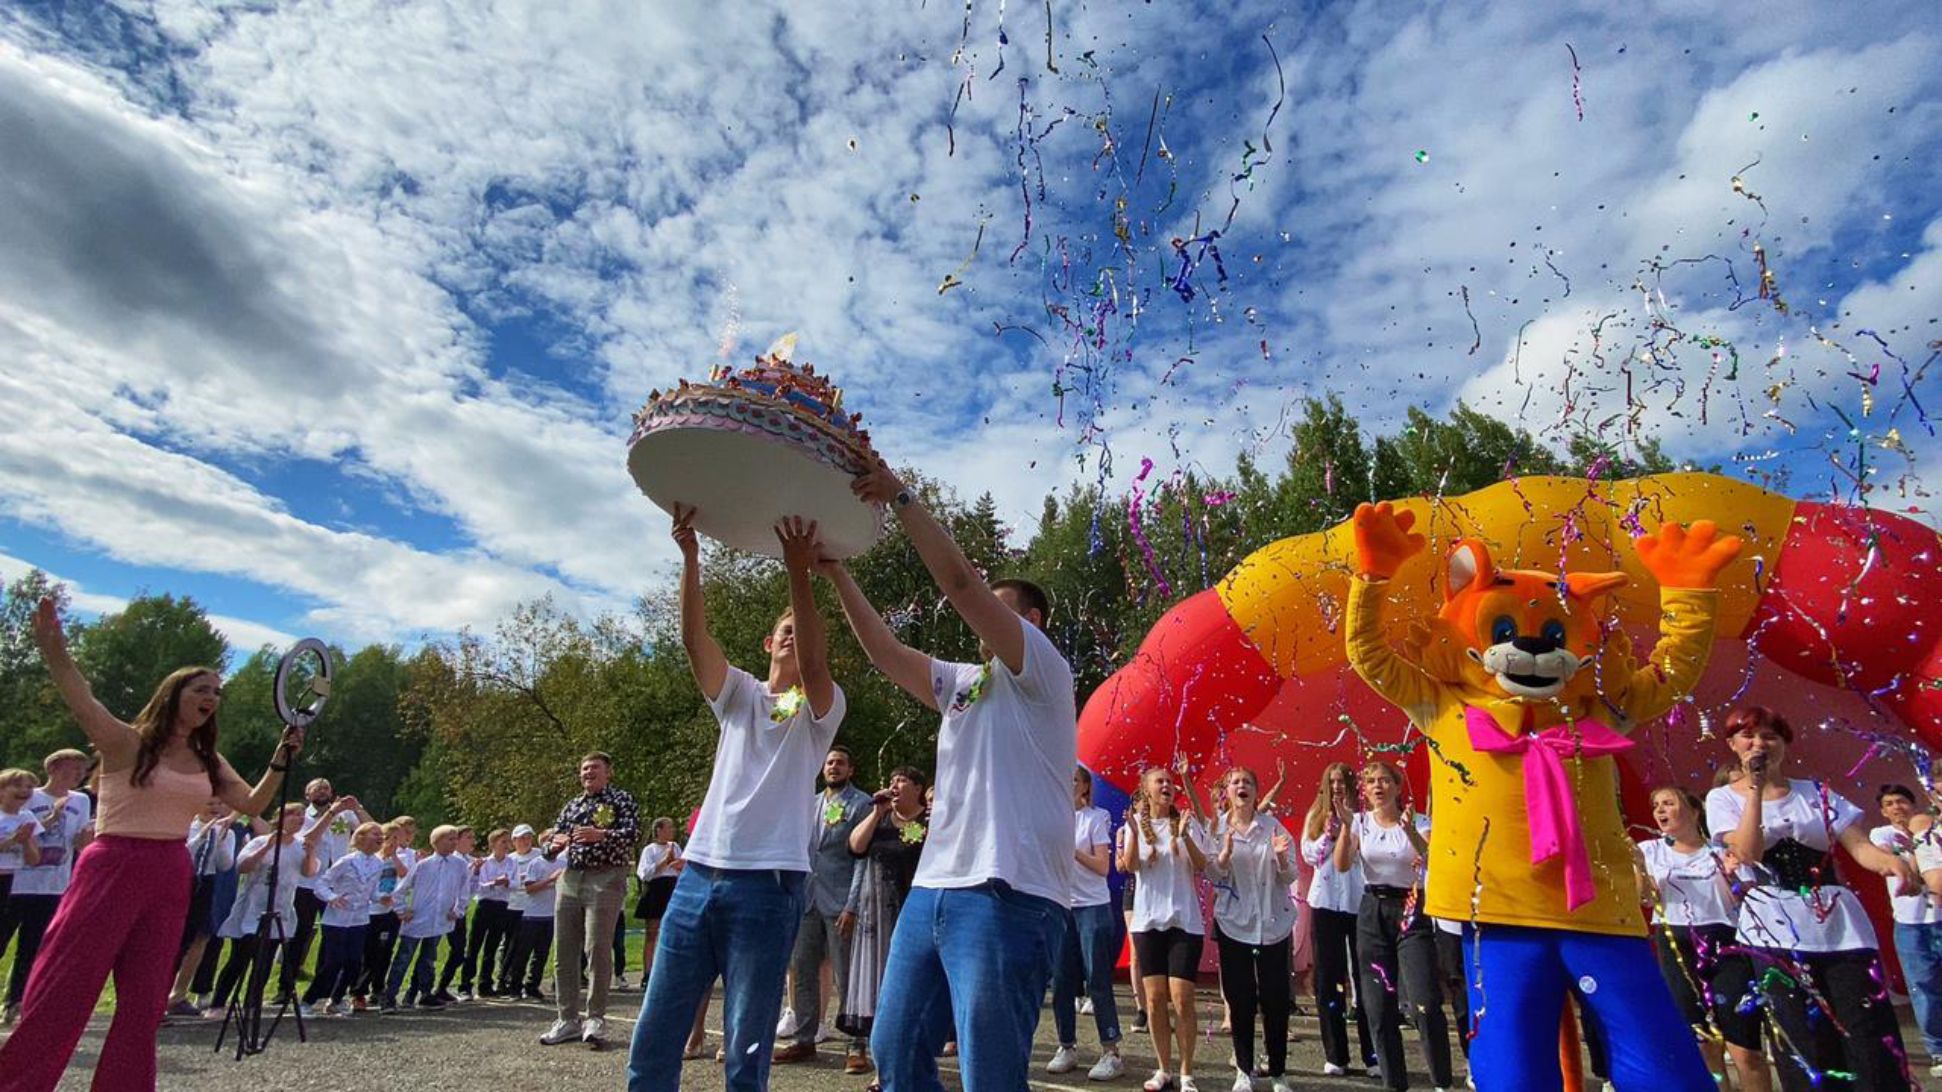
(122, 914)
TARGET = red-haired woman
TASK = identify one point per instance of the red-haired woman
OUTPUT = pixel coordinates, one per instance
(130, 894)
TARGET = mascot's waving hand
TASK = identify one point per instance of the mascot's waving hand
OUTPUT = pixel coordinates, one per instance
(1526, 704)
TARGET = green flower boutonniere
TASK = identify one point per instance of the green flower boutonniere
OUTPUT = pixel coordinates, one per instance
(787, 704)
(968, 697)
(603, 816)
(912, 833)
(832, 813)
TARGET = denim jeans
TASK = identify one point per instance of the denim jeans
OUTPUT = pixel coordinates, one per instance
(1087, 959)
(982, 952)
(735, 924)
(422, 951)
(338, 963)
(1920, 949)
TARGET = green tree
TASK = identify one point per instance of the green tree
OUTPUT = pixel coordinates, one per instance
(33, 722)
(126, 654)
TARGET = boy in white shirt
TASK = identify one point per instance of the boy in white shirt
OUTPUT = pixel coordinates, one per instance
(986, 915)
(65, 816)
(349, 890)
(493, 924)
(429, 901)
(743, 892)
(538, 885)
(19, 829)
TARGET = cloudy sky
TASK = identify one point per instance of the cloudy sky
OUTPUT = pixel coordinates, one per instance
(333, 315)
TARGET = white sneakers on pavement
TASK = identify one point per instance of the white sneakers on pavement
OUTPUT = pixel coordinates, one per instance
(1064, 1060)
(594, 1030)
(785, 1028)
(1107, 1068)
(1158, 1082)
(1330, 1069)
(562, 1031)
(1242, 1083)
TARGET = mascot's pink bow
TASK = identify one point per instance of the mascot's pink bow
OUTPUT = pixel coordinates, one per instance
(1553, 806)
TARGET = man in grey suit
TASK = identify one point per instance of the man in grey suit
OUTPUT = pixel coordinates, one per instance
(830, 916)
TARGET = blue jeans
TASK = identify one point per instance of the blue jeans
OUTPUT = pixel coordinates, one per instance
(735, 924)
(982, 952)
(338, 963)
(1090, 951)
(420, 950)
(1524, 975)
(1920, 949)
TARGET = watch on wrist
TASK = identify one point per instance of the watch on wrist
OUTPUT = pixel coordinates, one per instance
(902, 499)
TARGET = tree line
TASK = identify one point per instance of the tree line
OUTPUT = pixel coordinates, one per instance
(485, 727)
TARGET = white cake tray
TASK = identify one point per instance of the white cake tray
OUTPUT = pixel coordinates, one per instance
(741, 484)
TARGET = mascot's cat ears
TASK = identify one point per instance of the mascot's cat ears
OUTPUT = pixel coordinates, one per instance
(1469, 566)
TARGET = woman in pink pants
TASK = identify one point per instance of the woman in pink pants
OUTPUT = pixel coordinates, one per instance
(123, 912)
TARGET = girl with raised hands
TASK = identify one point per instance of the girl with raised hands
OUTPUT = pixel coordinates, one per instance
(1254, 921)
(1334, 897)
(1166, 847)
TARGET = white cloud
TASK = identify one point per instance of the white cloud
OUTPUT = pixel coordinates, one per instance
(244, 636)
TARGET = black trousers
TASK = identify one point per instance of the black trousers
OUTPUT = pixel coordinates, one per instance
(1449, 965)
(493, 927)
(380, 940)
(204, 982)
(1399, 975)
(297, 953)
(529, 952)
(243, 951)
(1335, 960)
(1848, 983)
(455, 949)
(27, 917)
(1251, 976)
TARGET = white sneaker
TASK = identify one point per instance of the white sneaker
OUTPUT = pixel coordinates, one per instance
(1935, 1070)
(308, 1012)
(785, 1028)
(1281, 1085)
(1107, 1068)
(1158, 1082)
(1242, 1083)
(594, 1030)
(827, 1032)
(1085, 1006)
(1330, 1069)
(1187, 1083)
(1064, 1060)
(562, 1031)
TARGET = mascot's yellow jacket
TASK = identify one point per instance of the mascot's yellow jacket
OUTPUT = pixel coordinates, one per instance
(1525, 707)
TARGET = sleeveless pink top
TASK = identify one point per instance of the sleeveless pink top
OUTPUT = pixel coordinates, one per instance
(161, 809)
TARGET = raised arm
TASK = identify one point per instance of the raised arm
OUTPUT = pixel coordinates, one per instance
(799, 554)
(996, 624)
(1383, 541)
(866, 828)
(116, 741)
(901, 664)
(705, 657)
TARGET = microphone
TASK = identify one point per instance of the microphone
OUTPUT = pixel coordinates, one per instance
(1757, 762)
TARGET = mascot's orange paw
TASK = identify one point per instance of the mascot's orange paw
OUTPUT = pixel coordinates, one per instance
(1681, 558)
(1383, 540)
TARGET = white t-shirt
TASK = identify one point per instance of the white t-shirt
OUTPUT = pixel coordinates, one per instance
(1251, 901)
(1909, 909)
(540, 904)
(1166, 896)
(1091, 827)
(519, 899)
(212, 850)
(253, 895)
(757, 811)
(335, 842)
(1388, 857)
(653, 855)
(1830, 919)
(13, 855)
(1327, 888)
(1004, 774)
(58, 830)
(494, 880)
(1690, 885)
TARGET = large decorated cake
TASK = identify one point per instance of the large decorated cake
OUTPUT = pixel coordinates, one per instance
(754, 445)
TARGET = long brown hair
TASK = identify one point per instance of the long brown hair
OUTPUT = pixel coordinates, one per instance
(1324, 804)
(156, 723)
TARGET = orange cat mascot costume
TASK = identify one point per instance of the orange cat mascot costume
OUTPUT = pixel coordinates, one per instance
(1525, 706)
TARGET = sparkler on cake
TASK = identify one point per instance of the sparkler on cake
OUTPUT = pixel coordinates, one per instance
(749, 447)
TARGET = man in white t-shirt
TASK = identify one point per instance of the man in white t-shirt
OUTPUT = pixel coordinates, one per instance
(1918, 921)
(65, 829)
(986, 912)
(736, 909)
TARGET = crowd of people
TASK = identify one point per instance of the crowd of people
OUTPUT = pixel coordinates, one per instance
(990, 880)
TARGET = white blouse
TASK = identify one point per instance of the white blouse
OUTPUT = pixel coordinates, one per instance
(1329, 889)
(1388, 857)
(1166, 896)
(1251, 900)
(1829, 918)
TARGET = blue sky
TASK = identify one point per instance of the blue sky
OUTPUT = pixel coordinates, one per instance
(334, 315)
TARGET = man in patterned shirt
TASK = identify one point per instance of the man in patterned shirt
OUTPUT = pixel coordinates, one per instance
(597, 831)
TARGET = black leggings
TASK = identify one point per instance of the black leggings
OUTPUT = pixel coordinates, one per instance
(455, 947)
(1252, 974)
(380, 940)
(493, 926)
(1335, 958)
(27, 916)
(1868, 1040)
(1399, 974)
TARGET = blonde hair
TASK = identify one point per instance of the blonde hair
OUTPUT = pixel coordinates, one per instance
(1227, 797)
(372, 825)
(65, 754)
(1143, 811)
(445, 831)
(1318, 812)
(12, 776)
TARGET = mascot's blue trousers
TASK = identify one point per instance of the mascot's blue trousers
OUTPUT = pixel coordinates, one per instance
(1518, 978)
